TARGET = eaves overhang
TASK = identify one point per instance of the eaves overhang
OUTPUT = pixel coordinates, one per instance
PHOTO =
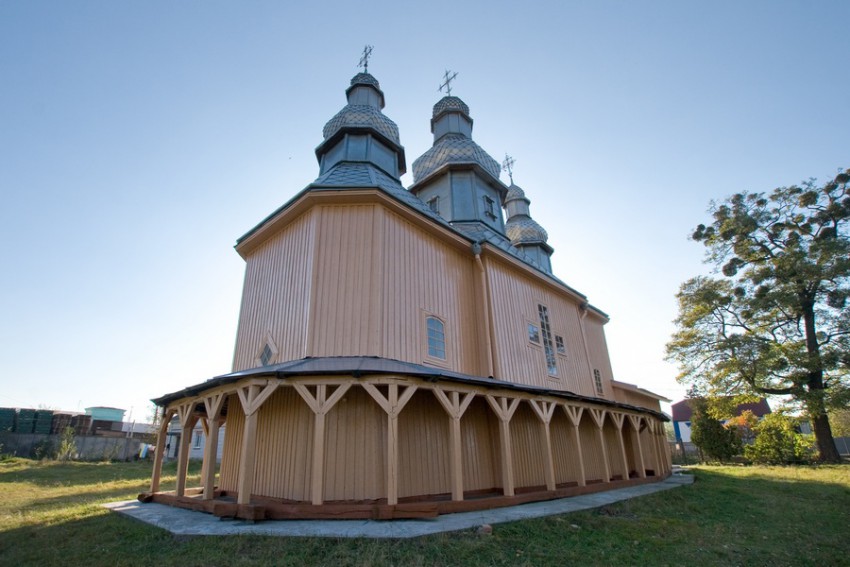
(362, 366)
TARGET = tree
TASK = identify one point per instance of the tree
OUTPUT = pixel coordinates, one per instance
(716, 441)
(776, 322)
(839, 421)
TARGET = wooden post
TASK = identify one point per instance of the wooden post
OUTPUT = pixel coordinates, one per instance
(213, 405)
(251, 397)
(393, 404)
(656, 446)
(186, 413)
(158, 455)
(455, 407)
(504, 410)
(619, 419)
(321, 405)
(544, 411)
(574, 415)
(635, 420)
(598, 416)
(656, 451)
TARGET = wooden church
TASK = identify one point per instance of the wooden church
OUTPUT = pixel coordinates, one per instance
(407, 352)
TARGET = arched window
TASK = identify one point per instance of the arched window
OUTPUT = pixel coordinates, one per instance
(436, 338)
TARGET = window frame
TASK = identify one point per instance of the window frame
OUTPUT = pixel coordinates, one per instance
(549, 353)
(427, 355)
(597, 382)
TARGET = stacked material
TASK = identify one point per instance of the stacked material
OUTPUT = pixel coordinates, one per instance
(43, 422)
(81, 424)
(7, 419)
(26, 421)
(60, 422)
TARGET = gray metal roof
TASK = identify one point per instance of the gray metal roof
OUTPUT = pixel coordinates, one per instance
(454, 149)
(362, 116)
(449, 103)
(358, 366)
(525, 230)
(515, 192)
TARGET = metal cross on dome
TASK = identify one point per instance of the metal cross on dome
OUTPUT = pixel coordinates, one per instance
(447, 84)
(508, 165)
(364, 59)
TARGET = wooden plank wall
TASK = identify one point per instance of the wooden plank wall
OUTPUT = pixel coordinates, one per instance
(594, 461)
(479, 431)
(527, 448)
(345, 318)
(612, 446)
(229, 471)
(284, 446)
(598, 348)
(518, 360)
(282, 264)
(423, 447)
(564, 451)
(355, 448)
(421, 274)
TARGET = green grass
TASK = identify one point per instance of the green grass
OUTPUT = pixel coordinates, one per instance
(50, 515)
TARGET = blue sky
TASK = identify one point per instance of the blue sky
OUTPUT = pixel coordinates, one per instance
(138, 140)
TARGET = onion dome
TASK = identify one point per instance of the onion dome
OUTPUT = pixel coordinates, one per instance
(346, 135)
(365, 101)
(520, 227)
(452, 128)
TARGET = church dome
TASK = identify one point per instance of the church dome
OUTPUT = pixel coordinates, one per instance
(362, 116)
(515, 193)
(525, 230)
(365, 79)
(457, 149)
(365, 101)
(448, 103)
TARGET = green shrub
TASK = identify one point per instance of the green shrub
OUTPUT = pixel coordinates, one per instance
(67, 450)
(716, 441)
(778, 442)
(44, 449)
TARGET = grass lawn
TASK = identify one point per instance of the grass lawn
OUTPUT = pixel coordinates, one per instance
(50, 515)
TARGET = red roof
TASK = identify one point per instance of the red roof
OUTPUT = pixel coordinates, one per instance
(682, 410)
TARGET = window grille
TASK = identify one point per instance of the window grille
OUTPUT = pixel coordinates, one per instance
(548, 349)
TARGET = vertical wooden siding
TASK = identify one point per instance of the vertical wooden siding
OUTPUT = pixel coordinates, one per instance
(422, 274)
(355, 448)
(284, 447)
(276, 295)
(229, 471)
(594, 461)
(598, 348)
(518, 360)
(612, 446)
(480, 436)
(528, 448)
(344, 316)
(424, 462)
(564, 452)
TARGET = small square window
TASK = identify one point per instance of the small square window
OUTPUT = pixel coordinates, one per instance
(434, 205)
(560, 346)
(489, 207)
(533, 333)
